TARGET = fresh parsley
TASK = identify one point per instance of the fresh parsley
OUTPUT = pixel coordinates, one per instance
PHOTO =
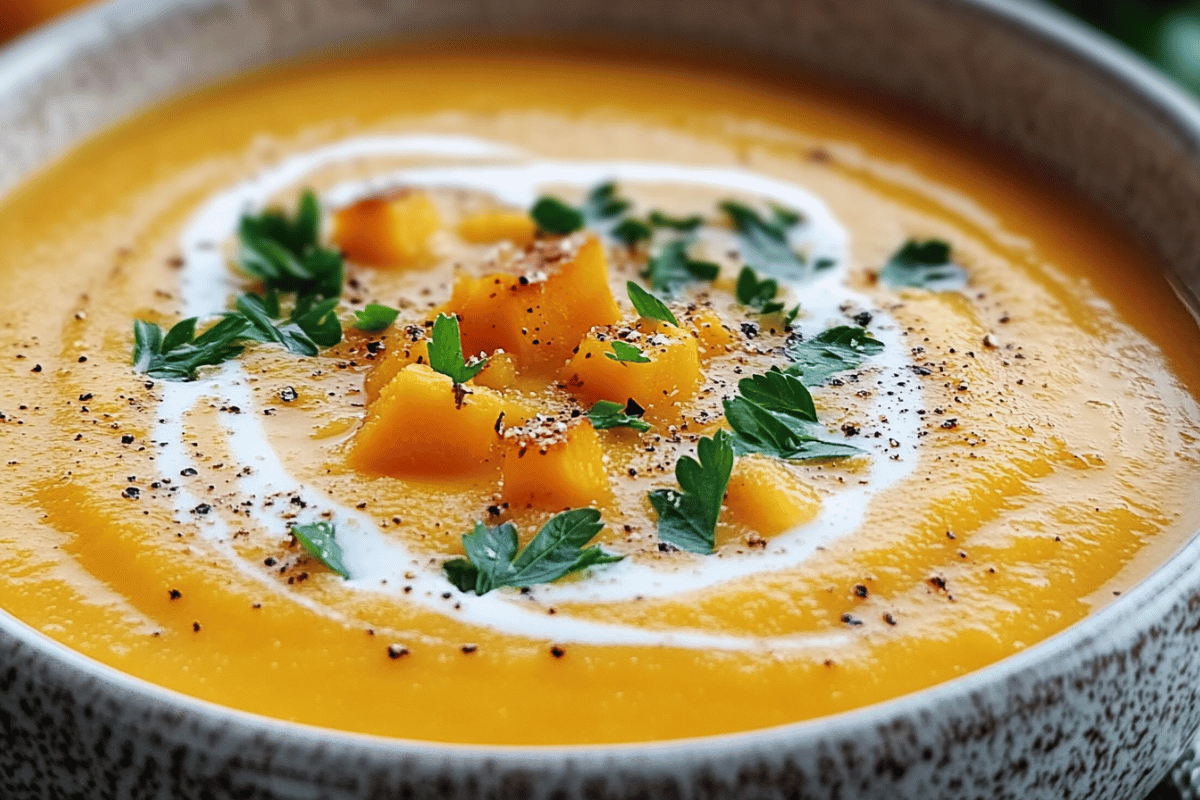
(831, 351)
(557, 549)
(285, 252)
(375, 317)
(607, 414)
(648, 305)
(446, 353)
(782, 435)
(313, 323)
(779, 392)
(764, 244)
(554, 216)
(627, 353)
(688, 519)
(923, 265)
(630, 231)
(757, 294)
(682, 224)
(320, 541)
(177, 355)
(602, 203)
(673, 268)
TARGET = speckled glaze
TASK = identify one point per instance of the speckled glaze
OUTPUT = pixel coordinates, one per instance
(1099, 711)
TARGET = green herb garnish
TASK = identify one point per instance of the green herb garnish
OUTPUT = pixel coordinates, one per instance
(554, 216)
(763, 243)
(923, 265)
(758, 430)
(313, 323)
(320, 541)
(627, 353)
(603, 203)
(607, 414)
(285, 253)
(630, 231)
(758, 294)
(375, 317)
(446, 353)
(831, 351)
(557, 549)
(177, 355)
(779, 392)
(682, 224)
(688, 519)
(673, 268)
(648, 305)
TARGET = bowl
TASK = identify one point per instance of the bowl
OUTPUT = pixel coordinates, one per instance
(1099, 711)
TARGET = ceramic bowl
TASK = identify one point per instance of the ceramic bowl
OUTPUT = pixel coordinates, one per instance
(1099, 711)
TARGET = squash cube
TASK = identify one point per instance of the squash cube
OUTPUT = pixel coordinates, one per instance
(672, 375)
(410, 346)
(538, 320)
(549, 465)
(714, 337)
(418, 428)
(388, 231)
(765, 497)
(498, 225)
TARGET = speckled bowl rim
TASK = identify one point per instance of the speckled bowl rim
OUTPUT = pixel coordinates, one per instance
(1122, 619)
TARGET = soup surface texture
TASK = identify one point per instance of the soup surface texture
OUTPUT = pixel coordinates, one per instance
(1008, 448)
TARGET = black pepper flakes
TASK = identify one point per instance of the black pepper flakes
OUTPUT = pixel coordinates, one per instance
(851, 620)
(396, 651)
(287, 394)
(175, 594)
(126, 438)
(557, 651)
(469, 648)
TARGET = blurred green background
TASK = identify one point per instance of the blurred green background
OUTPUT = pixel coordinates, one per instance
(1165, 32)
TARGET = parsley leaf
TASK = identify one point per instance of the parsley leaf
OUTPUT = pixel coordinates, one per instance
(764, 243)
(557, 549)
(688, 519)
(758, 294)
(177, 356)
(320, 541)
(831, 351)
(603, 203)
(607, 414)
(782, 435)
(673, 268)
(630, 231)
(375, 317)
(682, 224)
(285, 253)
(648, 305)
(779, 392)
(446, 354)
(311, 325)
(923, 265)
(554, 216)
(627, 353)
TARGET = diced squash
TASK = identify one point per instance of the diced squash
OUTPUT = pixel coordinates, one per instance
(672, 375)
(713, 336)
(417, 428)
(388, 231)
(538, 321)
(544, 468)
(498, 225)
(402, 349)
(765, 497)
(499, 374)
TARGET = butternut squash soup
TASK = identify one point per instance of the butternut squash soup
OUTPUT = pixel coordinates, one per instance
(541, 395)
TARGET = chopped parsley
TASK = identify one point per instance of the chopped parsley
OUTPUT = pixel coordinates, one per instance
(627, 353)
(607, 414)
(375, 317)
(554, 216)
(313, 323)
(494, 559)
(630, 231)
(831, 351)
(177, 355)
(446, 354)
(320, 541)
(923, 265)
(673, 268)
(688, 519)
(757, 294)
(648, 305)
(285, 253)
(682, 224)
(764, 244)
(602, 203)
(781, 435)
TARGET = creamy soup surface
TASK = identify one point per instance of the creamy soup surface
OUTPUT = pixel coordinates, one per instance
(1022, 447)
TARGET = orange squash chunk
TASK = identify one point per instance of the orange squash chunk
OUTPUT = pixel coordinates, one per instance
(388, 231)
(417, 428)
(671, 376)
(712, 334)
(548, 464)
(498, 225)
(765, 497)
(536, 319)
(409, 346)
